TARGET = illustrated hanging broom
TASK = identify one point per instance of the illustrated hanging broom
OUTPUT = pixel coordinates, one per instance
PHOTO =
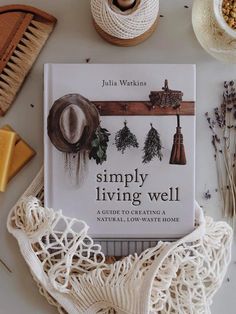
(178, 156)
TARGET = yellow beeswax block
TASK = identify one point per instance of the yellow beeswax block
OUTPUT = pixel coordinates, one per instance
(9, 128)
(23, 153)
(7, 145)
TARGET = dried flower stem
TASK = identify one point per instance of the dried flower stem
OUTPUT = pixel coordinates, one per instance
(223, 129)
(231, 184)
(220, 180)
(5, 265)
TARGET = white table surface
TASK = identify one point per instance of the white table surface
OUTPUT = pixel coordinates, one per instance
(73, 41)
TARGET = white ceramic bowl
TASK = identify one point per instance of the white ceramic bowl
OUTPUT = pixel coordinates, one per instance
(217, 5)
(212, 31)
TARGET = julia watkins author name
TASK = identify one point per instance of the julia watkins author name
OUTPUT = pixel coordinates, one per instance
(124, 83)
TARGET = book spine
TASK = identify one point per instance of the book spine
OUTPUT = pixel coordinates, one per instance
(47, 98)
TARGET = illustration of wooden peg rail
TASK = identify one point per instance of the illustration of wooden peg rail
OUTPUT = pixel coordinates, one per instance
(69, 115)
(162, 103)
(142, 108)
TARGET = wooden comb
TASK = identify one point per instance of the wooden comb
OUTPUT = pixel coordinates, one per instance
(23, 32)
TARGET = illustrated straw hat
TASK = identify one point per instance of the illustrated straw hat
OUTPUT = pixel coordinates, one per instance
(72, 122)
(212, 31)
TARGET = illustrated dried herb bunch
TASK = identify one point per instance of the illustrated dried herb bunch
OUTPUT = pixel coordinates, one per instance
(99, 145)
(152, 146)
(222, 124)
(125, 139)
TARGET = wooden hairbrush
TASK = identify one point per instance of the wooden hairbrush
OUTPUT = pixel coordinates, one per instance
(23, 32)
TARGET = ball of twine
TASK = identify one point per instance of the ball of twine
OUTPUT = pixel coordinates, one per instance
(125, 24)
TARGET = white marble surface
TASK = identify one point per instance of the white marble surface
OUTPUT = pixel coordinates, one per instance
(73, 41)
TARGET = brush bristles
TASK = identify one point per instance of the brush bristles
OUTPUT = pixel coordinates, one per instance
(21, 61)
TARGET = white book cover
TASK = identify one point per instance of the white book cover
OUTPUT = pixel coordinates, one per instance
(137, 193)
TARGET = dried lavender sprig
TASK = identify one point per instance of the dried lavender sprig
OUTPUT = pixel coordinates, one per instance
(223, 129)
(229, 139)
(219, 117)
(215, 137)
(216, 142)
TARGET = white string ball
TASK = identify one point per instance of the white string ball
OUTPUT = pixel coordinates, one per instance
(127, 24)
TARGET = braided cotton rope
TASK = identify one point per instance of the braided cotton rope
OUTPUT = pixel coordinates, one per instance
(125, 26)
(170, 278)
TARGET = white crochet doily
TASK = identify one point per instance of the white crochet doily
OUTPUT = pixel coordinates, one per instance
(179, 277)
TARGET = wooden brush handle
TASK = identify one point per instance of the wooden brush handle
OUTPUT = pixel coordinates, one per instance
(14, 21)
(13, 26)
(39, 14)
(23, 32)
(9, 23)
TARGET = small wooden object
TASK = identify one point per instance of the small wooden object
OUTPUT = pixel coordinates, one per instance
(126, 42)
(23, 32)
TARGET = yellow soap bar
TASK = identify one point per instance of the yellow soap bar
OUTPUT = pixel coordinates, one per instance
(9, 128)
(23, 153)
(7, 145)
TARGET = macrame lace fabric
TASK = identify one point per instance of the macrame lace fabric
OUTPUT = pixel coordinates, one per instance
(173, 277)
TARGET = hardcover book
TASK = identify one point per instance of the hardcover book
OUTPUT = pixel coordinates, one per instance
(120, 147)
